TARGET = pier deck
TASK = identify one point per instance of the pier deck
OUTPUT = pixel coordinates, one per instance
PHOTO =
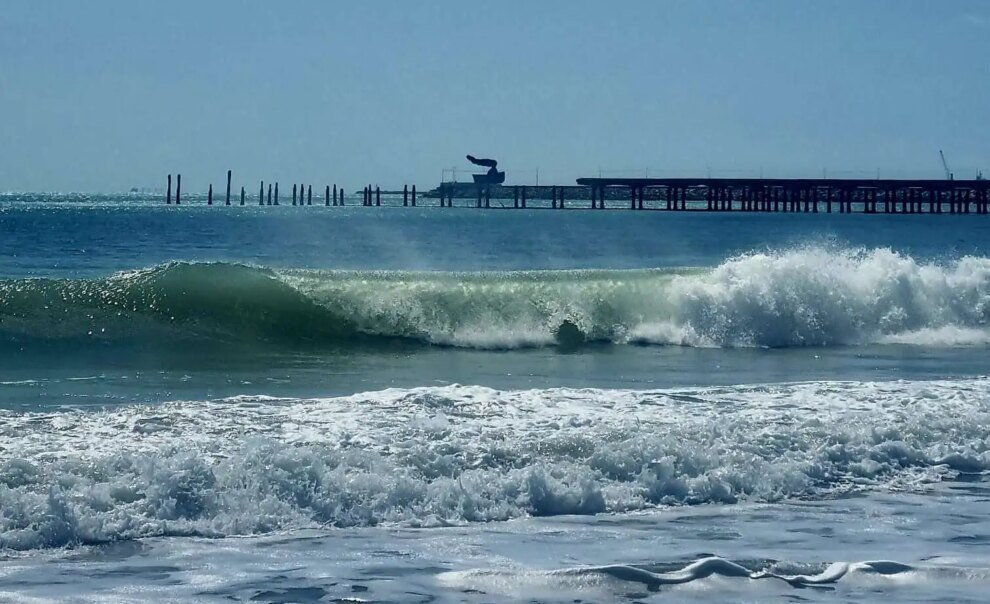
(869, 196)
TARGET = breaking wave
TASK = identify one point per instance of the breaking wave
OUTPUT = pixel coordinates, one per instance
(816, 296)
(460, 454)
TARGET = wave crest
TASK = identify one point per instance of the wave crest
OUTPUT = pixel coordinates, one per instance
(809, 297)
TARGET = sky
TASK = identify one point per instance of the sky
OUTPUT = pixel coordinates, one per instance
(107, 95)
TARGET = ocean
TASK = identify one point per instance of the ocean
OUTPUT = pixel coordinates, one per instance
(312, 404)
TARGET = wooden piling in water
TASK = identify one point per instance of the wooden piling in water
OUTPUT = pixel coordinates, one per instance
(168, 191)
(522, 198)
(242, 195)
(326, 196)
(293, 194)
(269, 193)
(209, 196)
(335, 194)
(261, 193)
(309, 195)
(178, 188)
(227, 199)
(414, 195)
(378, 195)
(276, 193)
(405, 195)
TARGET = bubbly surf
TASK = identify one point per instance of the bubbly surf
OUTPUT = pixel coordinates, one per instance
(453, 455)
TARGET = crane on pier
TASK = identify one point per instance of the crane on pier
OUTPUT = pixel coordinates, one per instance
(945, 166)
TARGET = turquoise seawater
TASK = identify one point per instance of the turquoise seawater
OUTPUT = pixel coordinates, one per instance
(425, 404)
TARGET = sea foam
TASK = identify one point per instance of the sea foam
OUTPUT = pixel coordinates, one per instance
(462, 454)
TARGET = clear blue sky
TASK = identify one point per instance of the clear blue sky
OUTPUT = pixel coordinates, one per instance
(105, 95)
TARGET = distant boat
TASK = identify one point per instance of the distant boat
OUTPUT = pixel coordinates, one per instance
(491, 178)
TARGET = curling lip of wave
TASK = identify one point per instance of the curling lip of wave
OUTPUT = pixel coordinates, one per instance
(813, 296)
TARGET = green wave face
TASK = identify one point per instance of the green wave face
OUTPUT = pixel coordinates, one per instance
(808, 297)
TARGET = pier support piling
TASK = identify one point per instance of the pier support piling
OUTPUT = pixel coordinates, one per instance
(227, 198)
(168, 191)
(178, 188)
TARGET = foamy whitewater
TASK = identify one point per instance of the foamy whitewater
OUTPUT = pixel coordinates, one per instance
(322, 404)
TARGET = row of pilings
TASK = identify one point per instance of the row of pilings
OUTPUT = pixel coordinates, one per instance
(373, 197)
(828, 196)
(906, 200)
(900, 199)
(301, 194)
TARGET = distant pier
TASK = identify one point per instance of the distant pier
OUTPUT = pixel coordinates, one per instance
(869, 196)
(797, 195)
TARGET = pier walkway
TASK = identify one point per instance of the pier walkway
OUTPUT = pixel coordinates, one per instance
(796, 195)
